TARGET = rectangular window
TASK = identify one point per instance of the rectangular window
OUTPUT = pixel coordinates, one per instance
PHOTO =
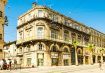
(55, 18)
(28, 61)
(40, 13)
(54, 34)
(1, 13)
(80, 38)
(20, 35)
(28, 33)
(66, 35)
(28, 48)
(0, 36)
(73, 36)
(40, 59)
(20, 50)
(55, 61)
(40, 32)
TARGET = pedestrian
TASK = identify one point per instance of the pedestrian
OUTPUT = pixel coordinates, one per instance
(100, 65)
(7, 64)
(4, 64)
(15, 64)
(10, 62)
(1, 64)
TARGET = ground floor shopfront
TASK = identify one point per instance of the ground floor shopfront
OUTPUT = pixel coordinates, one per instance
(54, 54)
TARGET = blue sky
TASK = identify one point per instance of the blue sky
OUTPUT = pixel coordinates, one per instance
(88, 12)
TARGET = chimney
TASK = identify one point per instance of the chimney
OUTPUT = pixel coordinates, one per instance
(34, 4)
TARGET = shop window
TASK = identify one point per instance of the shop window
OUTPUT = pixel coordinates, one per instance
(28, 61)
(66, 62)
(54, 61)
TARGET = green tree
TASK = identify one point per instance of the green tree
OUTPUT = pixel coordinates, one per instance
(91, 48)
(102, 50)
(74, 44)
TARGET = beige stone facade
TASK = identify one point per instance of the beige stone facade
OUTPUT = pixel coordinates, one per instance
(10, 50)
(2, 8)
(48, 38)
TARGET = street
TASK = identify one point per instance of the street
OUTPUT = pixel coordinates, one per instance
(60, 69)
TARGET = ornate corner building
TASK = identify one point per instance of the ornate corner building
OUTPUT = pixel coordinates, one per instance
(2, 20)
(48, 38)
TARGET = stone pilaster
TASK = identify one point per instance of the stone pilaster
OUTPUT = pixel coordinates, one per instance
(76, 58)
(96, 59)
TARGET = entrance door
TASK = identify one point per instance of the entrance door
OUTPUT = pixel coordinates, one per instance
(40, 59)
(80, 59)
(99, 58)
(104, 58)
(86, 60)
(54, 61)
(40, 62)
(93, 59)
(66, 62)
(73, 56)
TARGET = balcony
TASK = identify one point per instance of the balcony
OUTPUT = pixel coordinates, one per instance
(48, 38)
(19, 54)
(35, 17)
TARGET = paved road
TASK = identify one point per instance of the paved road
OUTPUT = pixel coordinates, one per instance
(60, 69)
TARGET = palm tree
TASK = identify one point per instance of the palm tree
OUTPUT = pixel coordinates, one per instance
(91, 47)
(102, 50)
(75, 43)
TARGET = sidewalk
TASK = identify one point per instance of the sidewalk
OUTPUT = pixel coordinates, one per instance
(60, 69)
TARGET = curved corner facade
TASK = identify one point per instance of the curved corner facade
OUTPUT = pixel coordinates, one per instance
(48, 38)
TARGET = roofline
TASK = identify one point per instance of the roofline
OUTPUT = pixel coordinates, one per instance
(9, 43)
(73, 20)
(97, 30)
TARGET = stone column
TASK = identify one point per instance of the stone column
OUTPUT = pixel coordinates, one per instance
(83, 55)
(60, 59)
(102, 58)
(76, 58)
(96, 59)
(91, 58)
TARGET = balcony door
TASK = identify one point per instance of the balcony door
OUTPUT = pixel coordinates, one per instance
(40, 32)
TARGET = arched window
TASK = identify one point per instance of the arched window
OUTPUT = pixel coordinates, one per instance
(20, 50)
(66, 50)
(54, 49)
(40, 46)
(79, 52)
